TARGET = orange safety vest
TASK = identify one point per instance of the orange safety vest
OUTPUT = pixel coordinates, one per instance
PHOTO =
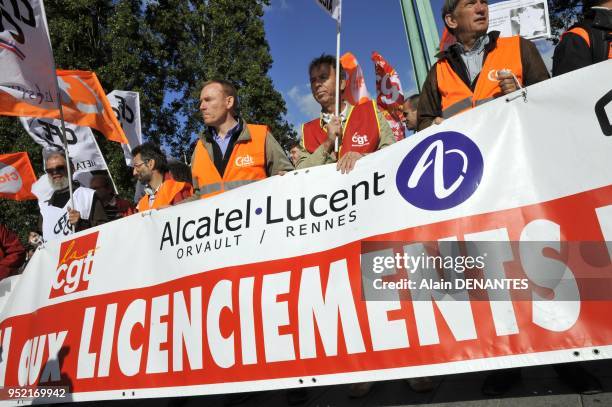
(246, 164)
(457, 96)
(584, 34)
(163, 197)
(361, 132)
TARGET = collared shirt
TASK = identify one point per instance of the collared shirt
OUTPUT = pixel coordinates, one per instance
(326, 117)
(473, 58)
(223, 143)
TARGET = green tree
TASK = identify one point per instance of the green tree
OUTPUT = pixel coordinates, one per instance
(232, 46)
(164, 50)
(563, 13)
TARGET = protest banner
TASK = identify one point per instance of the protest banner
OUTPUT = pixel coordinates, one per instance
(126, 106)
(16, 177)
(277, 284)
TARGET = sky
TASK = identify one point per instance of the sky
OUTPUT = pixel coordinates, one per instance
(299, 30)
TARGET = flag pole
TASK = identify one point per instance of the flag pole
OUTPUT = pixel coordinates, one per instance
(61, 112)
(336, 146)
(106, 165)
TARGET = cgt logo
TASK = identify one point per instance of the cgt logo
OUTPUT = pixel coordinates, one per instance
(75, 265)
(10, 181)
(244, 161)
(441, 172)
(360, 140)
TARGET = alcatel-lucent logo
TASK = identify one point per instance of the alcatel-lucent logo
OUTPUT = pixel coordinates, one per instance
(441, 172)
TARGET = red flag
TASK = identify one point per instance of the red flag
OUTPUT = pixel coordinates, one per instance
(16, 177)
(447, 40)
(355, 91)
(389, 95)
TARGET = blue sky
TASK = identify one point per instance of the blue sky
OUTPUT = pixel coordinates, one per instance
(299, 30)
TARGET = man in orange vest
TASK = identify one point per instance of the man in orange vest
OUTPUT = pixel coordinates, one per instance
(360, 129)
(231, 153)
(587, 42)
(478, 68)
(151, 169)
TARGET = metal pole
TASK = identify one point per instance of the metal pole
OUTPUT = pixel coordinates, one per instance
(107, 168)
(336, 146)
(417, 53)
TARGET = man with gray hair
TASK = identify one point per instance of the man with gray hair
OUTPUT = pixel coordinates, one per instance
(58, 216)
(478, 68)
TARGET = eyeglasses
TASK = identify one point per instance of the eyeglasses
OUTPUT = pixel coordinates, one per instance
(60, 169)
(137, 165)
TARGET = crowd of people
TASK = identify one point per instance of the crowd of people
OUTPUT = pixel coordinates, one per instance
(231, 153)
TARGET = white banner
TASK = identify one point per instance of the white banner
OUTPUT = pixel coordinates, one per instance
(82, 146)
(126, 106)
(332, 7)
(267, 286)
(26, 57)
(527, 18)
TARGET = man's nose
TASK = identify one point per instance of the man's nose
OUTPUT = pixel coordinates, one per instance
(481, 7)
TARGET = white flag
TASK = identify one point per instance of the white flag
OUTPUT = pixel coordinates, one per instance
(333, 8)
(126, 106)
(27, 76)
(82, 146)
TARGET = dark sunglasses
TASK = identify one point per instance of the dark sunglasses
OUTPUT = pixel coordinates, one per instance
(60, 169)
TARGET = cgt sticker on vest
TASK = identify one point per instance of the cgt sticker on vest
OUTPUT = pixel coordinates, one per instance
(10, 180)
(360, 140)
(441, 172)
(244, 161)
(75, 265)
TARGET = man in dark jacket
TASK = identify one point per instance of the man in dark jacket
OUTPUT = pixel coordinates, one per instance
(455, 84)
(588, 42)
(12, 253)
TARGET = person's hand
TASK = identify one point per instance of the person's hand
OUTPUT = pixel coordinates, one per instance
(346, 163)
(74, 216)
(334, 128)
(438, 120)
(506, 81)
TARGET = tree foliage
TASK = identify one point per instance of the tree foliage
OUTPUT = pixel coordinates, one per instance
(563, 13)
(164, 50)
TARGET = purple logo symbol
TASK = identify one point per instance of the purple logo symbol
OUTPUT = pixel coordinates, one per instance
(441, 172)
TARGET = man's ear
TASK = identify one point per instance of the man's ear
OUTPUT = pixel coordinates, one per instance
(230, 102)
(152, 160)
(450, 21)
(342, 85)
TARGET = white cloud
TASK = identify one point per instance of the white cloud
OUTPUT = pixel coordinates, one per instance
(301, 96)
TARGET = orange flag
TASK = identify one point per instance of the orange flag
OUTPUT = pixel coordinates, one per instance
(355, 91)
(84, 103)
(16, 177)
(447, 40)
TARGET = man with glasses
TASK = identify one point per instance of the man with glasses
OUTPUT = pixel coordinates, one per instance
(151, 169)
(58, 216)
